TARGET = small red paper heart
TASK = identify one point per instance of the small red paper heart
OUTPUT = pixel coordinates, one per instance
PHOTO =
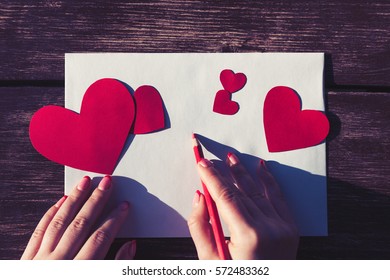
(232, 82)
(150, 110)
(223, 103)
(91, 140)
(286, 126)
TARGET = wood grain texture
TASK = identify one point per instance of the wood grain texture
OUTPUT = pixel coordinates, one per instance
(29, 183)
(354, 34)
(358, 186)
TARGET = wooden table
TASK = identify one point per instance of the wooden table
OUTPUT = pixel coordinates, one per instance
(355, 35)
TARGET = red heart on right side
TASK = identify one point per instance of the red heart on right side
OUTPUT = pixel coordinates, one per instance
(286, 126)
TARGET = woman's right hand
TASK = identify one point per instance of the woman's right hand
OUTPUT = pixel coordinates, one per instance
(259, 221)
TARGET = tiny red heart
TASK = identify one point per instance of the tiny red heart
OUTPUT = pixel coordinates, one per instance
(232, 82)
(223, 103)
(286, 126)
(150, 110)
(91, 140)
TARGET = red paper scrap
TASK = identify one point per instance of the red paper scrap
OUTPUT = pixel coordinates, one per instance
(232, 82)
(150, 110)
(92, 140)
(223, 103)
(286, 126)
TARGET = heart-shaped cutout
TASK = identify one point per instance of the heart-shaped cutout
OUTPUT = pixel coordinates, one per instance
(150, 110)
(286, 126)
(232, 82)
(223, 103)
(91, 140)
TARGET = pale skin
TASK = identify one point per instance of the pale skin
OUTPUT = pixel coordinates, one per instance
(70, 228)
(257, 216)
(254, 210)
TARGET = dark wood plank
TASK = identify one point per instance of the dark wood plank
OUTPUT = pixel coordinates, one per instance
(29, 183)
(358, 184)
(355, 34)
(358, 187)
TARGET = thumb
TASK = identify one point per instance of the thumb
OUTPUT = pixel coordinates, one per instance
(200, 229)
(127, 251)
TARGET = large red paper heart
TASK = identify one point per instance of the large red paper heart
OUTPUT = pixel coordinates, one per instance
(91, 140)
(286, 126)
(223, 103)
(232, 82)
(150, 110)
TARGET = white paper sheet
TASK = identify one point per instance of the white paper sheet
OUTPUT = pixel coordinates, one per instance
(157, 172)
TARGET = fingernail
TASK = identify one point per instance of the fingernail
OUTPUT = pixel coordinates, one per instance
(233, 159)
(196, 199)
(84, 184)
(106, 183)
(205, 163)
(59, 202)
(124, 205)
(262, 162)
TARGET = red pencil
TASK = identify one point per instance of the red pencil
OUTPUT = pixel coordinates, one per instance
(212, 209)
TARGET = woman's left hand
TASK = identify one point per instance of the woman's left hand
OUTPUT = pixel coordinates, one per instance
(69, 229)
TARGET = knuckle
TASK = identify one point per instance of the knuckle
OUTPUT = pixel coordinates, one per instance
(258, 195)
(195, 220)
(95, 197)
(58, 223)
(227, 194)
(192, 222)
(80, 223)
(73, 197)
(38, 233)
(101, 237)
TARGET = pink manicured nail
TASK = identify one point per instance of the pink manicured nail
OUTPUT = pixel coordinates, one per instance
(105, 183)
(196, 199)
(233, 158)
(205, 162)
(59, 202)
(84, 184)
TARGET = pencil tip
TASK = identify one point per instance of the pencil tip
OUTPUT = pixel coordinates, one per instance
(194, 140)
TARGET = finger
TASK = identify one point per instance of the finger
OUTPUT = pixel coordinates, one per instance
(79, 229)
(37, 236)
(228, 199)
(244, 181)
(127, 251)
(254, 191)
(65, 215)
(241, 177)
(200, 229)
(274, 193)
(100, 241)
